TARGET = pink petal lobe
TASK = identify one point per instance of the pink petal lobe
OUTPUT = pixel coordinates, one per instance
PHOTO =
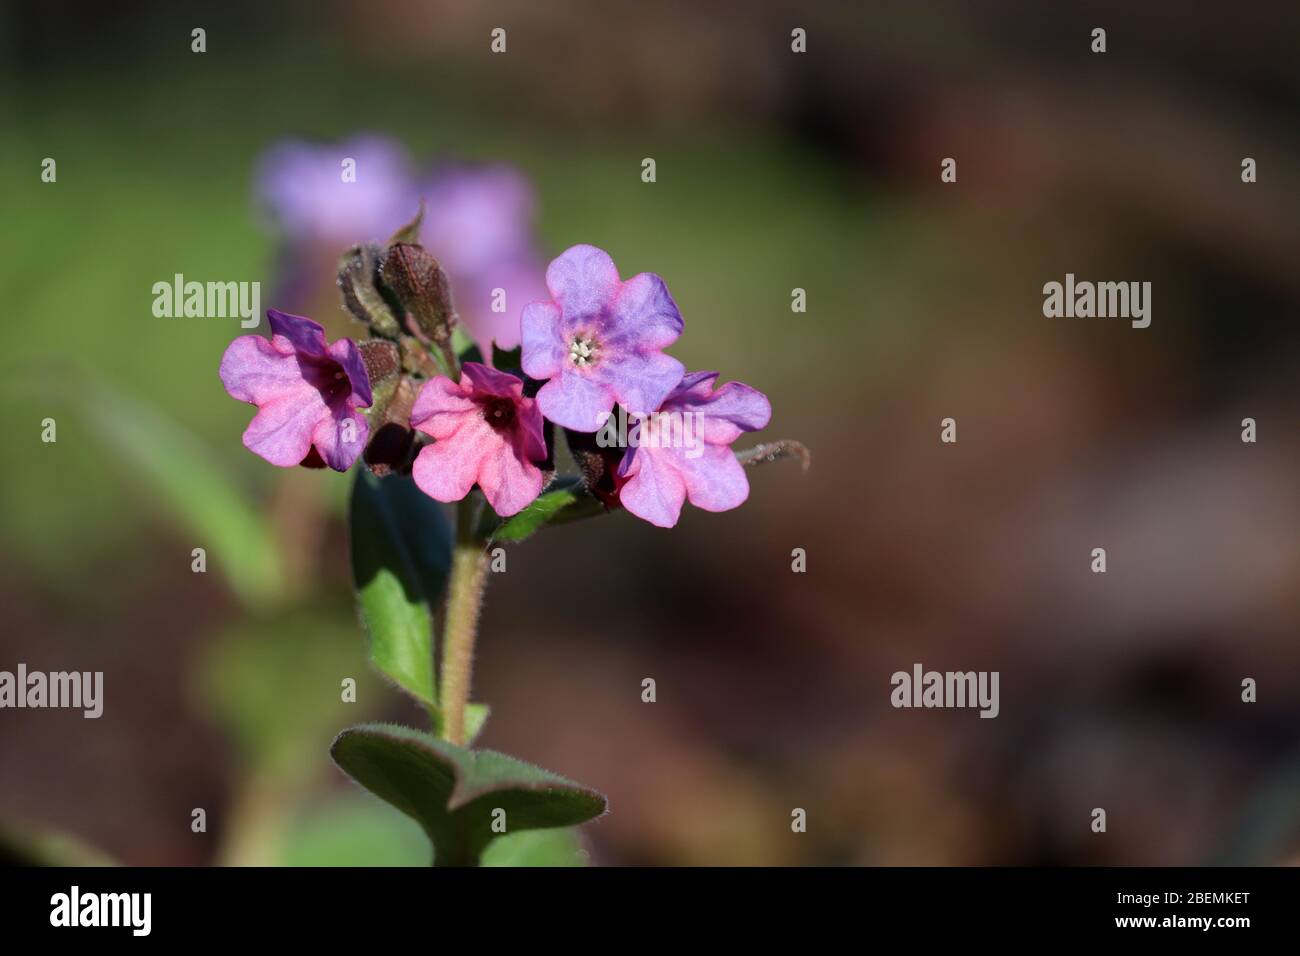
(284, 427)
(715, 481)
(654, 491)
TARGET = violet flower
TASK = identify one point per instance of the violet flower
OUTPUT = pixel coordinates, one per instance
(599, 340)
(302, 187)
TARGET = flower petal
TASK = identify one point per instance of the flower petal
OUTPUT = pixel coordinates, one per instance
(715, 480)
(256, 371)
(530, 437)
(509, 482)
(485, 380)
(441, 406)
(283, 428)
(348, 356)
(448, 468)
(654, 490)
(732, 409)
(583, 281)
(644, 316)
(305, 336)
(575, 400)
(544, 349)
(640, 382)
(341, 437)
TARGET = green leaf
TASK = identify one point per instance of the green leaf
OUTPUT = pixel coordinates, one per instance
(565, 500)
(351, 829)
(188, 478)
(559, 847)
(454, 793)
(354, 829)
(274, 684)
(401, 553)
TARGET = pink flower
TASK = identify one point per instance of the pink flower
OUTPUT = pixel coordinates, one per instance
(683, 452)
(599, 341)
(306, 391)
(486, 433)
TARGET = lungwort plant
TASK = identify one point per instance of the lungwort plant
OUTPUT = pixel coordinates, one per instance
(434, 419)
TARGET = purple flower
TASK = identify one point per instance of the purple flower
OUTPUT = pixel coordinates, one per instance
(599, 341)
(303, 186)
(478, 223)
(683, 451)
(486, 433)
(306, 391)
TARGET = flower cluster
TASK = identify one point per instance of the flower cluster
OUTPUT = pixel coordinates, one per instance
(592, 350)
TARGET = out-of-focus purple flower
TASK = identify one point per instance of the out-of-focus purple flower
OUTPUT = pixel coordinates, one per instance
(599, 340)
(486, 433)
(683, 452)
(478, 223)
(306, 391)
(305, 188)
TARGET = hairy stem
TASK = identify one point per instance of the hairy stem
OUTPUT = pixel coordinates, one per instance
(469, 566)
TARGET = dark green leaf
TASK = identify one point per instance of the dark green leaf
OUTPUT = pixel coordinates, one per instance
(471, 354)
(401, 552)
(511, 361)
(454, 794)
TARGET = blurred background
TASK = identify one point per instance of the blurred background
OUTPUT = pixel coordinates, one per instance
(775, 170)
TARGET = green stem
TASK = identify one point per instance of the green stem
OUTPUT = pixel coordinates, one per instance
(469, 567)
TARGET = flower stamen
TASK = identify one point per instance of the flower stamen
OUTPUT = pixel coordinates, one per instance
(583, 351)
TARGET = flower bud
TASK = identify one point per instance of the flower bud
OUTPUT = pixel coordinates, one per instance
(422, 289)
(358, 282)
(382, 360)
